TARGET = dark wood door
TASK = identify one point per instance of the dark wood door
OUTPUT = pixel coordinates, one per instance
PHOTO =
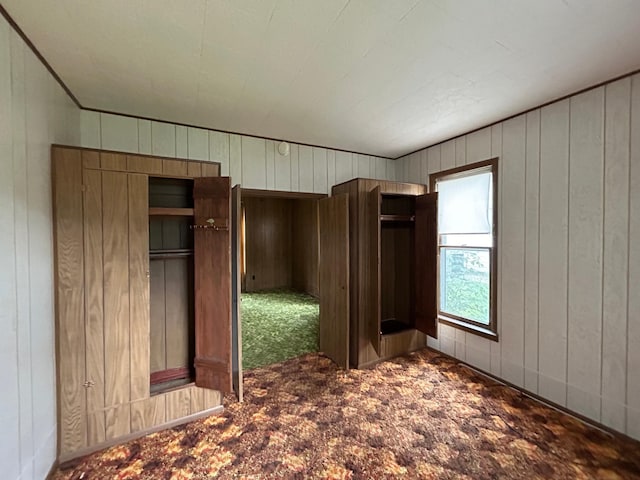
(426, 268)
(212, 268)
(374, 297)
(236, 316)
(334, 278)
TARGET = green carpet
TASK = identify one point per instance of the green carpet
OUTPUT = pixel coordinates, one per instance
(277, 325)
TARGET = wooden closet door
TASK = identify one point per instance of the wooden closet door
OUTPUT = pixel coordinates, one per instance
(334, 278)
(236, 317)
(374, 203)
(426, 271)
(212, 259)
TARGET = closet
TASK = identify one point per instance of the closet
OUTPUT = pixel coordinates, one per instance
(378, 253)
(144, 319)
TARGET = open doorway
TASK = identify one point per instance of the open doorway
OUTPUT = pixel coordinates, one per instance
(278, 258)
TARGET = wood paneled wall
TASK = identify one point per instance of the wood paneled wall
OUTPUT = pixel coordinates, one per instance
(251, 162)
(305, 246)
(569, 251)
(281, 244)
(267, 243)
(102, 320)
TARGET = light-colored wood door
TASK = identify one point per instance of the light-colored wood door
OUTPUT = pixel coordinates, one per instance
(426, 264)
(334, 278)
(236, 315)
(373, 323)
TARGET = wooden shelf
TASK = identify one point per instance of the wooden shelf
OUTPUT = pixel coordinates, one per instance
(177, 253)
(174, 212)
(397, 218)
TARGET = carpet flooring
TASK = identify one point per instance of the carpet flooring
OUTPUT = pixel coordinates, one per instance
(417, 416)
(277, 325)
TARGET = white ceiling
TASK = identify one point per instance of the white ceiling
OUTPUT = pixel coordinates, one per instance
(384, 77)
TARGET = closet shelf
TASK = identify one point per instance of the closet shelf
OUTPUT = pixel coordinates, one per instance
(175, 212)
(397, 218)
(175, 253)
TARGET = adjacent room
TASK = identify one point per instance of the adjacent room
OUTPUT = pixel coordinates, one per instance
(327, 239)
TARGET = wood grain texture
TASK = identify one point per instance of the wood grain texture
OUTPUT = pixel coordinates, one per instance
(116, 291)
(158, 349)
(148, 412)
(212, 259)
(144, 164)
(139, 284)
(178, 404)
(178, 312)
(196, 399)
(268, 244)
(210, 169)
(118, 421)
(236, 279)
(90, 159)
(212, 398)
(304, 246)
(70, 313)
(426, 268)
(194, 169)
(177, 168)
(94, 304)
(372, 274)
(334, 278)
(113, 161)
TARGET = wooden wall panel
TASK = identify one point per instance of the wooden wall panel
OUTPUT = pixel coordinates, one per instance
(304, 246)
(113, 161)
(554, 200)
(178, 404)
(531, 251)
(512, 252)
(116, 290)
(138, 209)
(94, 304)
(90, 159)
(118, 421)
(70, 324)
(615, 253)
(268, 243)
(210, 169)
(176, 168)
(178, 312)
(143, 164)
(148, 413)
(584, 332)
(158, 317)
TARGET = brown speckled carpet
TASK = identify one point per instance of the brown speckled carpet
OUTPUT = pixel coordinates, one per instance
(418, 416)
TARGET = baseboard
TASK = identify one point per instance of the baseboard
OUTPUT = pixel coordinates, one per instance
(69, 457)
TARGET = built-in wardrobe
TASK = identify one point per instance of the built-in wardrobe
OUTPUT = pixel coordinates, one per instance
(378, 254)
(144, 308)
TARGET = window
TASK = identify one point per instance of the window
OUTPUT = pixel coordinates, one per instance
(466, 246)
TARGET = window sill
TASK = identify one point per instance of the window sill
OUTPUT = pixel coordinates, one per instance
(468, 327)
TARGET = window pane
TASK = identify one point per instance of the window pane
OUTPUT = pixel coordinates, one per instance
(464, 283)
(464, 204)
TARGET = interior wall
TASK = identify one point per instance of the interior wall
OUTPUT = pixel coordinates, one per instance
(568, 251)
(35, 112)
(251, 162)
(305, 245)
(267, 243)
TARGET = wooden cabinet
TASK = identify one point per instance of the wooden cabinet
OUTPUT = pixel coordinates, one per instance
(103, 306)
(378, 253)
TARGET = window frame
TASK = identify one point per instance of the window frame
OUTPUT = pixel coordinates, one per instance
(488, 331)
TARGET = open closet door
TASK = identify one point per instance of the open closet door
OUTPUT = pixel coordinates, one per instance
(426, 241)
(236, 318)
(374, 318)
(212, 269)
(334, 278)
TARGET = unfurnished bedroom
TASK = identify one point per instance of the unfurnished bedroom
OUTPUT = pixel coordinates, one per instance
(320, 239)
